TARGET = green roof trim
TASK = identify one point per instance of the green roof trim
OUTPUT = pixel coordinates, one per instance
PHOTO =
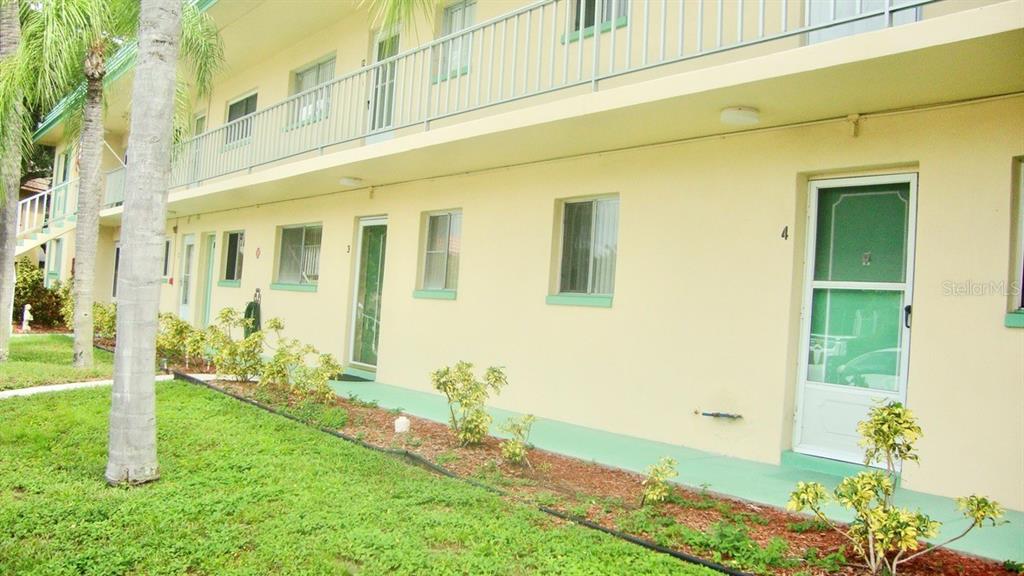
(121, 62)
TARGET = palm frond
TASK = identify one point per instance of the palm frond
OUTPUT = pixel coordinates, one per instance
(201, 46)
(386, 14)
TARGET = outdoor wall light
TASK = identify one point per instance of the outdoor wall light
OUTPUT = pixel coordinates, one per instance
(350, 181)
(740, 116)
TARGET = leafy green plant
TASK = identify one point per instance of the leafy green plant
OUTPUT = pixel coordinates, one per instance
(466, 398)
(289, 370)
(446, 458)
(104, 319)
(317, 413)
(514, 449)
(809, 525)
(241, 358)
(655, 485)
(830, 563)
(29, 288)
(884, 535)
(1013, 566)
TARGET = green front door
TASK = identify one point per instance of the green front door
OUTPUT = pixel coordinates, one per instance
(372, 244)
(857, 308)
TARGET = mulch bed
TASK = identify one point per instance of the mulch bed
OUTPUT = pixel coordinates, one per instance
(16, 327)
(606, 495)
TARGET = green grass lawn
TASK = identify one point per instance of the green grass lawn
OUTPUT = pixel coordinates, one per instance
(46, 359)
(248, 492)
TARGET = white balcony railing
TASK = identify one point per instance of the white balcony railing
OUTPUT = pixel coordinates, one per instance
(530, 51)
(46, 208)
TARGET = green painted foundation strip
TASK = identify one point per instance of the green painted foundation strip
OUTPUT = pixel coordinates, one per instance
(360, 373)
(754, 481)
(827, 466)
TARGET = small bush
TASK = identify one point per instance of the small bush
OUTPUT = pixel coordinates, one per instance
(104, 320)
(289, 371)
(178, 342)
(242, 358)
(514, 449)
(467, 397)
(655, 486)
(882, 534)
(29, 288)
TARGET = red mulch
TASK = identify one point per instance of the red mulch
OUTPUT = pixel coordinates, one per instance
(16, 327)
(581, 484)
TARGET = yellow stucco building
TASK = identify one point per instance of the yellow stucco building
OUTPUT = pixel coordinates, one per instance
(781, 210)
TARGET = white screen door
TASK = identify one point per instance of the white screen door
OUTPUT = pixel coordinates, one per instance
(857, 308)
(188, 254)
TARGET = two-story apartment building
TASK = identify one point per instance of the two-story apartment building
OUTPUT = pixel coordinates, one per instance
(645, 210)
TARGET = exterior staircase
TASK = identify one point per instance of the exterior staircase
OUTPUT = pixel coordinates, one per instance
(45, 216)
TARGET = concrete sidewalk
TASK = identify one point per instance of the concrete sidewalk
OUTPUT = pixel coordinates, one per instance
(63, 387)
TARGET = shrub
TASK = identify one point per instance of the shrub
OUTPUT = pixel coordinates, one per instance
(884, 535)
(288, 369)
(655, 485)
(513, 450)
(179, 343)
(29, 288)
(241, 359)
(466, 398)
(104, 320)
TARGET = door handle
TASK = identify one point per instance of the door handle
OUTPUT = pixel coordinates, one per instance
(908, 311)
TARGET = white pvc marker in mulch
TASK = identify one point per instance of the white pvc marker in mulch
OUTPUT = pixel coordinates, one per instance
(402, 425)
(64, 387)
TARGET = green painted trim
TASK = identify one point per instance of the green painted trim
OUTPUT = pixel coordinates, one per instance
(293, 287)
(122, 61)
(1015, 319)
(591, 300)
(434, 294)
(229, 283)
(360, 373)
(165, 280)
(821, 465)
(606, 26)
(443, 76)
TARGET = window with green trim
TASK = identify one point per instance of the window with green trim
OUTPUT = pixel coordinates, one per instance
(442, 245)
(584, 12)
(234, 244)
(299, 254)
(1017, 288)
(167, 258)
(589, 245)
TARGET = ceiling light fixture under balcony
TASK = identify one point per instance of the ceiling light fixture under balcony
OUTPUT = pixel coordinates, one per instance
(740, 116)
(350, 181)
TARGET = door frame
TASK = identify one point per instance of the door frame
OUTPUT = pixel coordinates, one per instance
(361, 223)
(208, 249)
(186, 270)
(813, 188)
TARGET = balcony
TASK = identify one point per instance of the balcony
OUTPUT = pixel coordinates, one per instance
(537, 50)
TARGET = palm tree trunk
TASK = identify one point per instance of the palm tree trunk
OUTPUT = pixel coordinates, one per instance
(87, 229)
(10, 172)
(131, 455)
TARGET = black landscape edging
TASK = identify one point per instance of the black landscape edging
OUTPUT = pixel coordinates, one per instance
(438, 469)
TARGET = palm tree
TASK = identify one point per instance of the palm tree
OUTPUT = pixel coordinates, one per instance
(131, 455)
(10, 170)
(67, 46)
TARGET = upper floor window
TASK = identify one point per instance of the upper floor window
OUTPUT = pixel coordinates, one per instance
(441, 250)
(821, 12)
(117, 267)
(241, 110)
(584, 12)
(299, 256)
(234, 244)
(455, 53)
(314, 105)
(199, 124)
(62, 167)
(590, 236)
